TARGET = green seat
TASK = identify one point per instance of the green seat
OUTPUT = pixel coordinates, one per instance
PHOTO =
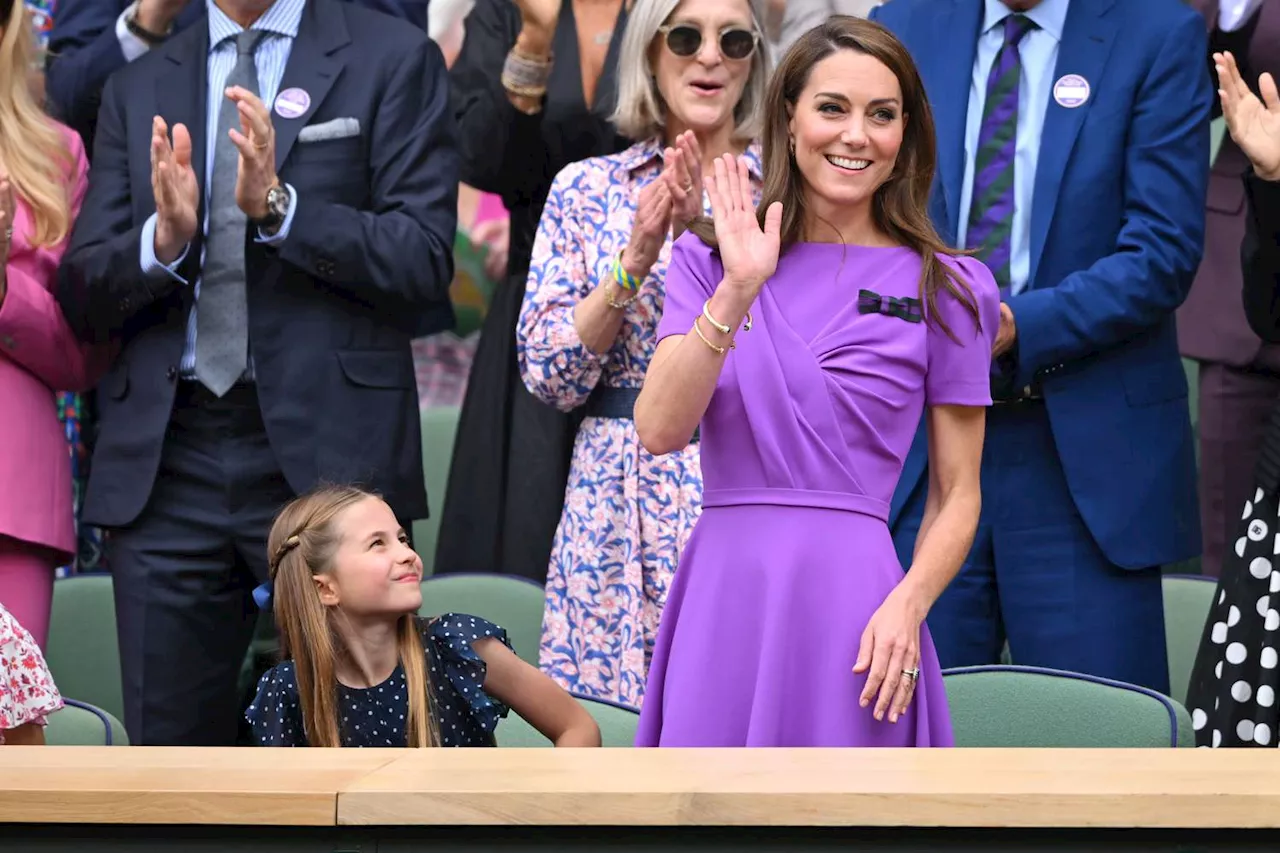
(82, 724)
(1187, 601)
(617, 726)
(439, 425)
(1030, 707)
(83, 652)
(510, 602)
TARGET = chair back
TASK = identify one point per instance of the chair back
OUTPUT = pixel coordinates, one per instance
(83, 652)
(82, 724)
(1187, 602)
(510, 602)
(617, 722)
(1031, 707)
(439, 427)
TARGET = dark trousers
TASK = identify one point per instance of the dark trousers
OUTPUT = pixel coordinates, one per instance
(186, 568)
(1035, 576)
(1235, 403)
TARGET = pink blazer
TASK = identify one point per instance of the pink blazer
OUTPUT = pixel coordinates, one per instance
(38, 356)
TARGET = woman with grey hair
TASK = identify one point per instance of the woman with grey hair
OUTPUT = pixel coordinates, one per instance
(692, 75)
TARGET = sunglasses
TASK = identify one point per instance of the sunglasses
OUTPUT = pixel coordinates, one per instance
(685, 40)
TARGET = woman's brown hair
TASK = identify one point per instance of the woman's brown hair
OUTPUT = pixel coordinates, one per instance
(901, 205)
(301, 545)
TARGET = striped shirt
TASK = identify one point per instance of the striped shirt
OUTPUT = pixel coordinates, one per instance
(270, 58)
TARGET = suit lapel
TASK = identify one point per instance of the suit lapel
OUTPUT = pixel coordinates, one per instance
(312, 67)
(949, 72)
(182, 97)
(1087, 39)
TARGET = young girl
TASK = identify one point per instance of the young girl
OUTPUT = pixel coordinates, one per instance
(27, 692)
(360, 668)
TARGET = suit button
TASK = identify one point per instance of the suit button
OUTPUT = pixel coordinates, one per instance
(171, 373)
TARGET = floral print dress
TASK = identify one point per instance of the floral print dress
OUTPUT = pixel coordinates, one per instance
(27, 692)
(627, 514)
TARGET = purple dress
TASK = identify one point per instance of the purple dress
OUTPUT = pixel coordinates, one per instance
(802, 447)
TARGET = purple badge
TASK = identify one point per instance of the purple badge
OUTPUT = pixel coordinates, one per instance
(292, 103)
(1071, 91)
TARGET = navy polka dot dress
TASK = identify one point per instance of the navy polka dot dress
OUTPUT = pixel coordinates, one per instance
(378, 716)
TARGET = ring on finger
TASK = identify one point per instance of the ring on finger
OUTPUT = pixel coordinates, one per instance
(912, 673)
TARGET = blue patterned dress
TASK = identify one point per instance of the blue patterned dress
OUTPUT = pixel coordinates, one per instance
(627, 514)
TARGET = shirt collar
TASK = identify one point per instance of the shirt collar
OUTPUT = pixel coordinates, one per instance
(282, 18)
(649, 150)
(1049, 15)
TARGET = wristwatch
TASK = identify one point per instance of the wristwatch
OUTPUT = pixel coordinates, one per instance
(277, 209)
(131, 24)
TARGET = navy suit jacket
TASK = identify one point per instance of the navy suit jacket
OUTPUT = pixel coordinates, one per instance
(331, 309)
(1117, 231)
(84, 52)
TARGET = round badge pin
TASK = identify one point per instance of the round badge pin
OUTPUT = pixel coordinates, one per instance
(292, 103)
(1071, 91)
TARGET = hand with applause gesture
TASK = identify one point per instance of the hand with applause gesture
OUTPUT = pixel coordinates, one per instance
(1254, 123)
(748, 252)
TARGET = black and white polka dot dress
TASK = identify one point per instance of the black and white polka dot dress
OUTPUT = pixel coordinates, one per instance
(1232, 696)
(377, 716)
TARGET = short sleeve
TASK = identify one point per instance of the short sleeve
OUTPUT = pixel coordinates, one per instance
(451, 637)
(692, 277)
(959, 371)
(27, 691)
(275, 714)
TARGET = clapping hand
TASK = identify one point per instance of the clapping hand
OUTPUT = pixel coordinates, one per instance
(682, 170)
(749, 253)
(174, 187)
(256, 141)
(1254, 124)
(649, 233)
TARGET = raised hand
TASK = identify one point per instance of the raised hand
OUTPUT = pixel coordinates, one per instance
(749, 253)
(682, 170)
(1254, 124)
(649, 232)
(256, 141)
(539, 15)
(174, 187)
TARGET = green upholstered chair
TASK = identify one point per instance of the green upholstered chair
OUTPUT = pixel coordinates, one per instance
(81, 724)
(1021, 706)
(1187, 601)
(83, 652)
(617, 726)
(510, 602)
(439, 426)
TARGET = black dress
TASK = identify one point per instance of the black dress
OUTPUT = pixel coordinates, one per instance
(512, 453)
(1234, 694)
(376, 716)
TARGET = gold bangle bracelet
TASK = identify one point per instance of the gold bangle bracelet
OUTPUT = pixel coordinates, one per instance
(717, 349)
(722, 328)
(618, 306)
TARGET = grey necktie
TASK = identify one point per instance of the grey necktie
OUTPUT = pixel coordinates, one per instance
(222, 328)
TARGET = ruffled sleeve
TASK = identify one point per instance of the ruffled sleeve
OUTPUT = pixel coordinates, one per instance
(27, 691)
(275, 713)
(450, 639)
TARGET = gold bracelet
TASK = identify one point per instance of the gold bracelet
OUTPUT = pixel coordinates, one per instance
(722, 328)
(618, 306)
(718, 350)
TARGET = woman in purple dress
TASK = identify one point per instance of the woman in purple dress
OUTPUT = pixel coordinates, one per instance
(808, 340)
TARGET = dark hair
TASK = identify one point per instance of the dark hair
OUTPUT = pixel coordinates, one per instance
(901, 205)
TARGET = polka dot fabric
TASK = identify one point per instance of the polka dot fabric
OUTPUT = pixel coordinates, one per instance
(377, 716)
(1232, 694)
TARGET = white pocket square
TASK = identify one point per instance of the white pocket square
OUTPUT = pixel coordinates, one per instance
(338, 128)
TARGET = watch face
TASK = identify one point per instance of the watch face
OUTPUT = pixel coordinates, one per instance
(278, 201)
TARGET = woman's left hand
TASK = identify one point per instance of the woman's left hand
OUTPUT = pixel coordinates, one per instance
(682, 170)
(890, 649)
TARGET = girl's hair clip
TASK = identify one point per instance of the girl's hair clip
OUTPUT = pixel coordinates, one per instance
(264, 596)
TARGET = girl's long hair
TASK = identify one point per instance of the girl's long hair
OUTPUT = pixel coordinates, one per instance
(901, 205)
(302, 544)
(33, 150)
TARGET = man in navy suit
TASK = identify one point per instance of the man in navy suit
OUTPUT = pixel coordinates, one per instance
(273, 200)
(1073, 153)
(91, 39)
